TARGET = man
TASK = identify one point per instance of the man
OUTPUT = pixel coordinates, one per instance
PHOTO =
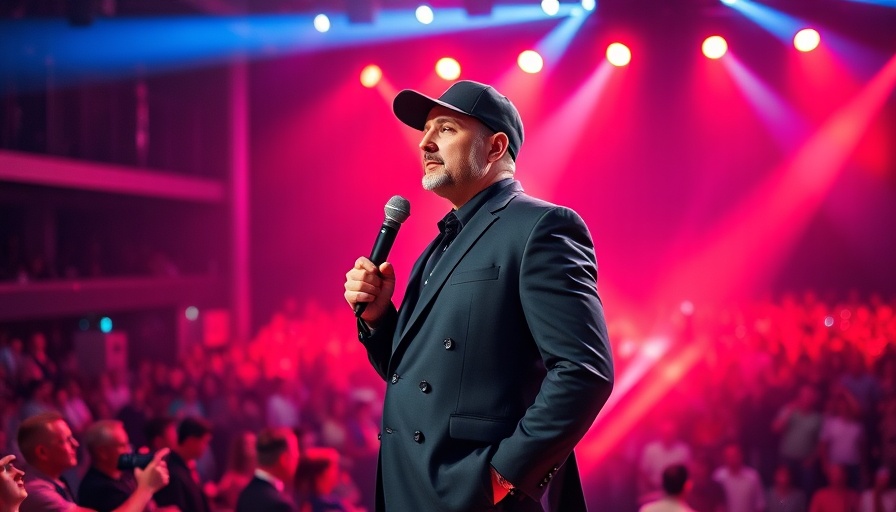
(498, 360)
(105, 487)
(46, 442)
(184, 490)
(674, 481)
(666, 450)
(277, 450)
(742, 485)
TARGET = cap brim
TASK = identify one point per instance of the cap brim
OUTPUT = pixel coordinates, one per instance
(412, 108)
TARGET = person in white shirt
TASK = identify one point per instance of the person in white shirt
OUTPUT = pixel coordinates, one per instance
(743, 487)
(657, 455)
(675, 484)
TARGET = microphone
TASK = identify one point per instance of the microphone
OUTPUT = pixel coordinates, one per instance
(398, 209)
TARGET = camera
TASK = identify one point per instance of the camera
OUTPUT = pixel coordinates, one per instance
(134, 460)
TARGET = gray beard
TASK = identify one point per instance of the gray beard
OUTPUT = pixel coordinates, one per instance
(434, 181)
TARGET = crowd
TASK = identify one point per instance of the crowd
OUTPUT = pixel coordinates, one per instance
(790, 407)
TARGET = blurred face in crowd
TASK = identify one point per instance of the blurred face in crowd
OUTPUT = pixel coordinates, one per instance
(732, 457)
(117, 444)
(57, 451)
(193, 447)
(12, 482)
(782, 477)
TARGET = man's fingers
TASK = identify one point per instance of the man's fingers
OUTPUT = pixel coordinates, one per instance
(363, 263)
(6, 460)
(159, 455)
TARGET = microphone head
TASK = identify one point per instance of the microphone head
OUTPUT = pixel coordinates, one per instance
(398, 209)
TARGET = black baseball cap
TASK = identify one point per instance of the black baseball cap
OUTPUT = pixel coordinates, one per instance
(474, 99)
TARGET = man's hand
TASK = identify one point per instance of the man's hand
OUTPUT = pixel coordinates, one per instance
(155, 475)
(367, 283)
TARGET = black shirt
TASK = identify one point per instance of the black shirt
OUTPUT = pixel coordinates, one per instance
(103, 493)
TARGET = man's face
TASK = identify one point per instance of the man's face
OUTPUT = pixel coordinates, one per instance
(194, 447)
(60, 449)
(454, 150)
(119, 444)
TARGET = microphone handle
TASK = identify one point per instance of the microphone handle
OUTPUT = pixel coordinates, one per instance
(380, 252)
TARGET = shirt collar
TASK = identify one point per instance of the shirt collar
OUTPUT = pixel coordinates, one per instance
(269, 478)
(466, 212)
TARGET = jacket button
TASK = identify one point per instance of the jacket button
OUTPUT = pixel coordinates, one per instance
(424, 386)
(394, 378)
(418, 437)
(379, 436)
(389, 430)
(449, 343)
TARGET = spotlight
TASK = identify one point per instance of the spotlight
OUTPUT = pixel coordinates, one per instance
(322, 23)
(714, 47)
(806, 40)
(619, 55)
(589, 5)
(424, 14)
(729, 2)
(106, 325)
(530, 62)
(191, 313)
(448, 68)
(550, 7)
(371, 75)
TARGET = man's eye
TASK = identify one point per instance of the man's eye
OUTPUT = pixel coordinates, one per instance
(447, 129)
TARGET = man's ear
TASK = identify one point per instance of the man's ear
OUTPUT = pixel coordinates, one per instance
(498, 145)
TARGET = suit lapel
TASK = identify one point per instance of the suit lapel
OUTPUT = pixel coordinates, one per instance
(412, 312)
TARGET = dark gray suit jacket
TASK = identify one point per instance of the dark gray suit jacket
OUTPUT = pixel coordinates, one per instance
(502, 359)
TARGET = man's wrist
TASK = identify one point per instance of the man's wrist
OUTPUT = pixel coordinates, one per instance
(503, 482)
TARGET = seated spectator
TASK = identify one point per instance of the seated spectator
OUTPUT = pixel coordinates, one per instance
(783, 496)
(105, 486)
(836, 497)
(161, 433)
(742, 485)
(47, 444)
(12, 485)
(881, 497)
(277, 452)
(241, 460)
(317, 479)
(675, 482)
(184, 490)
(705, 494)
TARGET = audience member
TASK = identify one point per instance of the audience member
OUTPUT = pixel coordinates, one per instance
(705, 494)
(106, 486)
(668, 449)
(318, 478)
(184, 490)
(799, 424)
(742, 485)
(241, 460)
(842, 436)
(783, 496)
(674, 481)
(12, 485)
(836, 497)
(277, 452)
(47, 444)
(881, 497)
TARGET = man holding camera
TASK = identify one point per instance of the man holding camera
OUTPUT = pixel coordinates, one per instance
(110, 481)
(49, 448)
